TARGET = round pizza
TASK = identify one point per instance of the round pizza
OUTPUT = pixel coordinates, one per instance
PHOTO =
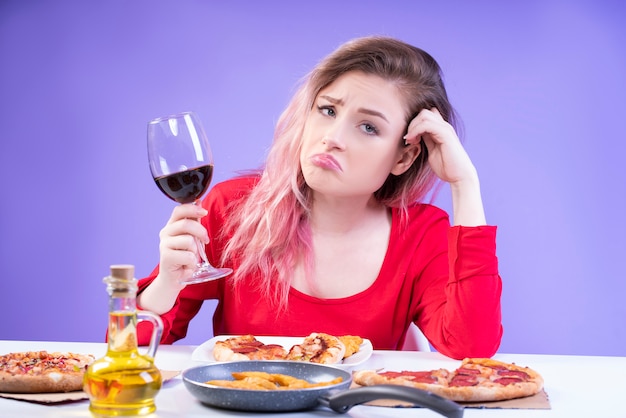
(476, 380)
(42, 372)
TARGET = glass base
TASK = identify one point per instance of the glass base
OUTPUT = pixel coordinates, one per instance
(206, 272)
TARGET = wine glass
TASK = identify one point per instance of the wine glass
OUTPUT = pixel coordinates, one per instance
(182, 166)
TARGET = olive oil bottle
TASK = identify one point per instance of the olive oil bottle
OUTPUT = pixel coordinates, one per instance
(124, 382)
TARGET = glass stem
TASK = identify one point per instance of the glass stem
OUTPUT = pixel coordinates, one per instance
(200, 246)
(201, 251)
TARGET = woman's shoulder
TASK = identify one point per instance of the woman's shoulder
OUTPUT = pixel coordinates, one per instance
(421, 222)
(420, 219)
(226, 192)
(240, 185)
(422, 211)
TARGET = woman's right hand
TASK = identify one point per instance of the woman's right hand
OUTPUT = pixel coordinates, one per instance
(179, 256)
(178, 248)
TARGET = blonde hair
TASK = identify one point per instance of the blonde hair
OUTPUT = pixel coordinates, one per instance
(271, 230)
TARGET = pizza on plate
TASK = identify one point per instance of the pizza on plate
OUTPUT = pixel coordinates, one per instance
(476, 380)
(316, 348)
(247, 347)
(42, 371)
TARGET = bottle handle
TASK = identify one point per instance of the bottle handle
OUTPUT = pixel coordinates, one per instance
(157, 330)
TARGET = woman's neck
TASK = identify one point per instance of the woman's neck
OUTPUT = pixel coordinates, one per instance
(344, 215)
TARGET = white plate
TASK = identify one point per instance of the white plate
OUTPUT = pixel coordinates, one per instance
(204, 352)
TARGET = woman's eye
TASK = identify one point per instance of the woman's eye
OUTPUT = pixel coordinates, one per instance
(369, 129)
(326, 110)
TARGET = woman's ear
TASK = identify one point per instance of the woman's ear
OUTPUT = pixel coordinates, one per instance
(406, 157)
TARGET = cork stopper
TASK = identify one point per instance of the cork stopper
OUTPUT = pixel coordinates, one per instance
(123, 271)
(121, 282)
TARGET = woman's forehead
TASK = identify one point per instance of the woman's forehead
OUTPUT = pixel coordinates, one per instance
(369, 90)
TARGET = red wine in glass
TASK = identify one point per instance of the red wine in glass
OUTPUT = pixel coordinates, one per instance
(186, 186)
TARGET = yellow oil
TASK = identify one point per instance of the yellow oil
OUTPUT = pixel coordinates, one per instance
(123, 382)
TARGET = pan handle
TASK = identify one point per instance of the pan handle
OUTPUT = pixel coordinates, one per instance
(343, 401)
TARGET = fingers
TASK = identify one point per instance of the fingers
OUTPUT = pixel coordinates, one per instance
(187, 211)
(185, 227)
(177, 260)
(185, 220)
(178, 247)
(446, 155)
(183, 242)
(430, 126)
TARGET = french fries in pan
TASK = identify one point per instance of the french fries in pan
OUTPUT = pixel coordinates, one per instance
(269, 381)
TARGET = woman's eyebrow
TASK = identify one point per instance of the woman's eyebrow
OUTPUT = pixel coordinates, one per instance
(373, 113)
(360, 110)
(332, 100)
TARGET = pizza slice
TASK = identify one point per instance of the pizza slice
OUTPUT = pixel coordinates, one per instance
(247, 347)
(318, 348)
(352, 344)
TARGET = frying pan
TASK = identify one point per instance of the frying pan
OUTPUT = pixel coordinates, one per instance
(337, 397)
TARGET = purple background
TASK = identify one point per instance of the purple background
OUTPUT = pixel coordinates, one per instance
(540, 86)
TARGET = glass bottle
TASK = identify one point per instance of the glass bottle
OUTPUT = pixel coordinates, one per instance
(124, 381)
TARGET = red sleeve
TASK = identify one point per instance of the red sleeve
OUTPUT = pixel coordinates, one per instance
(466, 320)
(145, 328)
(176, 320)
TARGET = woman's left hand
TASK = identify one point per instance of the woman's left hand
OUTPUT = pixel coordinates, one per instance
(446, 155)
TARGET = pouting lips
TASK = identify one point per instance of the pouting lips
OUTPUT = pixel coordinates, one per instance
(326, 161)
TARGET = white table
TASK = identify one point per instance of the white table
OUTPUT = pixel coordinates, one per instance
(578, 386)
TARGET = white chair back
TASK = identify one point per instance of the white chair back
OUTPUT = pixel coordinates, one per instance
(415, 340)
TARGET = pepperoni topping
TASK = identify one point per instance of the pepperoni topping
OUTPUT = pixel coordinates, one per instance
(254, 347)
(468, 372)
(464, 380)
(506, 380)
(420, 377)
(514, 373)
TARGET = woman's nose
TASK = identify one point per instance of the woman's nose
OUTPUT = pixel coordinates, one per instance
(334, 137)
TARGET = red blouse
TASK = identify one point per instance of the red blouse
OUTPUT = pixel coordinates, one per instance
(445, 279)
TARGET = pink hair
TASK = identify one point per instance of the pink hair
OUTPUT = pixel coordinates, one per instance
(271, 230)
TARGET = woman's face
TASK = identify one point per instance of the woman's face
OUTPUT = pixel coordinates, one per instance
(352, 139)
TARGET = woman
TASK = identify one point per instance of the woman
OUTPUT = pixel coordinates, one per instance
(329, 237)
